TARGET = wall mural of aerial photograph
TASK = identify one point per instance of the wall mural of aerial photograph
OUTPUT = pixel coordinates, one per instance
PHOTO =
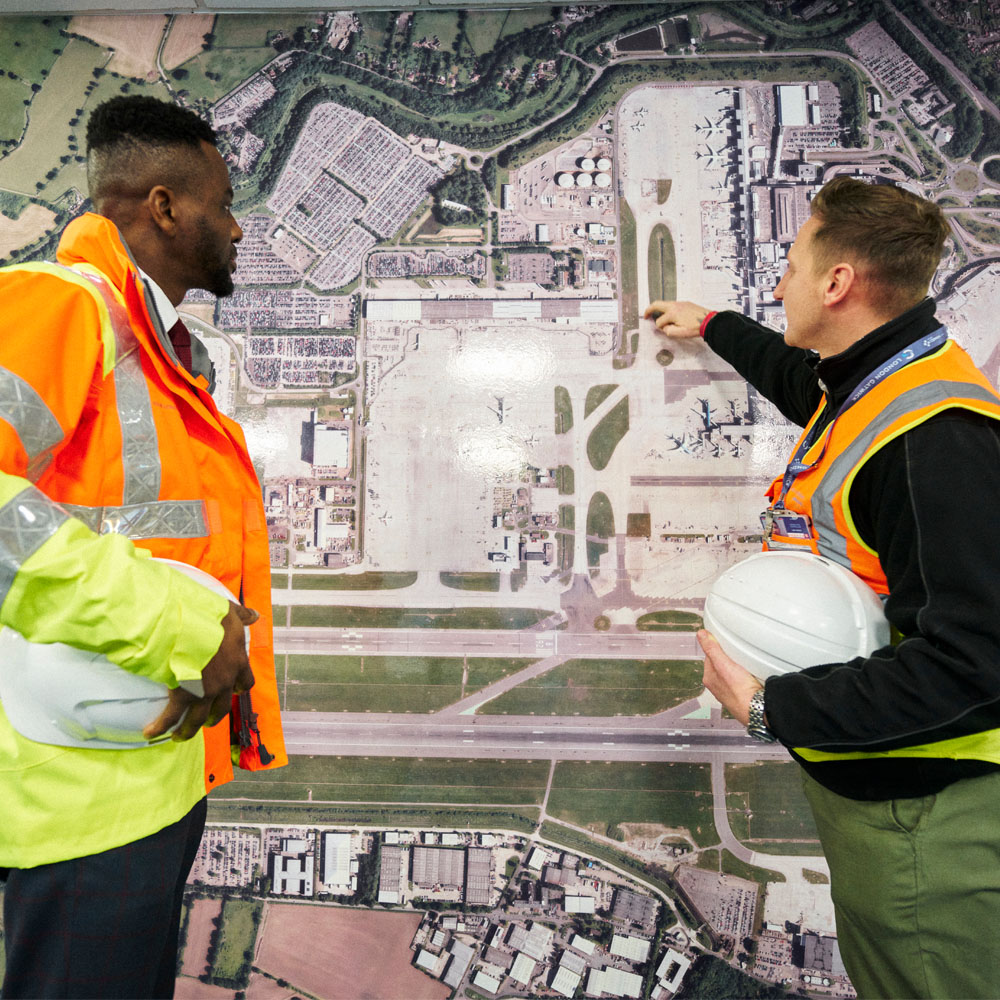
(496, 498)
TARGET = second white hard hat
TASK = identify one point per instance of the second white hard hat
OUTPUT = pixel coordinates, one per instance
(65, 696)
(778, 612)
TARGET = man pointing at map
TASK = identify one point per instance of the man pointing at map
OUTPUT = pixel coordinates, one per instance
(900, 749)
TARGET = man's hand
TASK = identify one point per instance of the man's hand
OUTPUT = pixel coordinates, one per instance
(733, 685)
(226, 674)
(676, 319)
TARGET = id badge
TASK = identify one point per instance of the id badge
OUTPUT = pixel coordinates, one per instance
(785, 523)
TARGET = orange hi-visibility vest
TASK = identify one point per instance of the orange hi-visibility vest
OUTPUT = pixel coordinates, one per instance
(109, 426)
(945, 379)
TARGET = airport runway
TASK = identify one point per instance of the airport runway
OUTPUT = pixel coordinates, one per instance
(633, 739)
(487, 642)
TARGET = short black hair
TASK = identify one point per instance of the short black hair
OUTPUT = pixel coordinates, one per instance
(133, 142)
(146, 120)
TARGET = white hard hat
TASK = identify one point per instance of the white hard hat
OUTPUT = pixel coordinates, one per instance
(62, 695)
(778, 612)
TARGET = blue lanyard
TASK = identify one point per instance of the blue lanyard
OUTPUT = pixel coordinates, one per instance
(916, 350)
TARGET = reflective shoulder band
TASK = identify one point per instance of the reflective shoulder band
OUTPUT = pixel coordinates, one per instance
(27, 521)
(158, 519)
(33, 422)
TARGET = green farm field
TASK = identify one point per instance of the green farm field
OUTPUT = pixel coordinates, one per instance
(28, 44)
(442, 25)
(239, 932)
(396, 780)
(251, 31)
(603, 688)
(13, 112)
(768, 809)
(47, 138)
(229, 67)
(602, 795)
(486, 27)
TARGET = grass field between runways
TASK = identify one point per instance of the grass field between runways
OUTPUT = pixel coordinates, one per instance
(387, 683)
(601, 795)
(603, 688)
(767, 808)
(395, 779)
(343, 616)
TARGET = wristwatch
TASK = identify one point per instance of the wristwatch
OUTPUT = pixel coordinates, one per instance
(756, 726)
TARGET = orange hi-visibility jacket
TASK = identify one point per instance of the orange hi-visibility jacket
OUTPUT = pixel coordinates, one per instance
(941, 380)
(110, 451)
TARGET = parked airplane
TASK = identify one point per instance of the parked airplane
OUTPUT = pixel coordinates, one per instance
(679, 443)
(714, 157)
(712, 128)
(499, 411)
(705, 412)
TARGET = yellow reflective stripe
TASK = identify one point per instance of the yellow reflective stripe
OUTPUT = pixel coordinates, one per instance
(957, 404)
(94, 593)
(27, 521)
(84, 268)
(977, 746)
(69, 274)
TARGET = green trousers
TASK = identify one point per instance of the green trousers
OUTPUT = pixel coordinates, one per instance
(916, 889)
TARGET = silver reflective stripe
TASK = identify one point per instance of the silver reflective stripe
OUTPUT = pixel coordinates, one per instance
(832, 544)
(26, 522)
(140, 451)
(34, 423)
(159, 519)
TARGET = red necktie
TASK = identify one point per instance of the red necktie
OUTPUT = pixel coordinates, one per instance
(180, 337)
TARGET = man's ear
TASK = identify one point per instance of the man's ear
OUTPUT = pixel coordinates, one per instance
(840, 280)
(162, 207)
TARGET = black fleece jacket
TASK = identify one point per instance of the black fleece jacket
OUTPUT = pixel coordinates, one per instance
(927, 503)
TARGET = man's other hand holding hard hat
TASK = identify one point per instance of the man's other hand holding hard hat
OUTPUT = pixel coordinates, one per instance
(782, 611)
(731, 684)
(226, 674)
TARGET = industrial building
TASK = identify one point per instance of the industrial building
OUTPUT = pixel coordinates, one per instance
(478, 862)
(338, 873)
(390, 876)
(440, 867)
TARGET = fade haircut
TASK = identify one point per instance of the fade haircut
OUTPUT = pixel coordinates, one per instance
(132, 144)
(892, 237)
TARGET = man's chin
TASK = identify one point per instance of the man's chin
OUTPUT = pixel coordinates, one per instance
(222, 285)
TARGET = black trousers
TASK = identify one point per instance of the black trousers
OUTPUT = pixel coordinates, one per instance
(101, 926)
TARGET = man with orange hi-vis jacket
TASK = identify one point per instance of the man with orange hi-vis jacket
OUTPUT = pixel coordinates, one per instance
(895, 478)
(112, 451)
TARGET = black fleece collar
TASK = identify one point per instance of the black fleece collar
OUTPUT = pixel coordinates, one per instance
(840, 373)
